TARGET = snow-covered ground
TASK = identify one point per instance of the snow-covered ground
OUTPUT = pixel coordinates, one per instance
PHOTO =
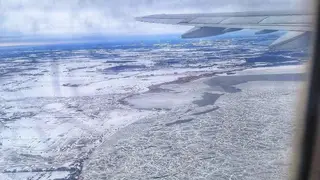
(241, 128)
(130, 114)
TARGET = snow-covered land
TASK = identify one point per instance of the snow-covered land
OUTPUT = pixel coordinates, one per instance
(212, 110)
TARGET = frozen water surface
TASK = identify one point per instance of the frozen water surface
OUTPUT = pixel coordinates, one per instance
(243, 135)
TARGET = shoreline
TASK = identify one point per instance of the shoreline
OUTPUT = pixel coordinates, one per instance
(184, 118)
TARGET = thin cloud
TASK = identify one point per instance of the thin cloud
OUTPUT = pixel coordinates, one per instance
(112, 17)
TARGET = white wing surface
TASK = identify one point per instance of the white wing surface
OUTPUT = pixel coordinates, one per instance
(299, 24)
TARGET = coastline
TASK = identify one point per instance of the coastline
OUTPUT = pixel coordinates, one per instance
(175, 133)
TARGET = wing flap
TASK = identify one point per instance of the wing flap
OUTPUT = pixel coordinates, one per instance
(227, 30)
(199, 32)
(265, 31)
(291, 40)
(243, 20)
(207, 20)
(294, 19)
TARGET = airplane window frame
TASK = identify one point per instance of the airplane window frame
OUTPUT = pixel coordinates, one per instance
(308, 152)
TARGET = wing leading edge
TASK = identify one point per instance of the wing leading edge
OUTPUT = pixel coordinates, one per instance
(299, 24)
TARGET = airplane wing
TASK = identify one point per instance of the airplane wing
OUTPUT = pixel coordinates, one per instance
(298, 24)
